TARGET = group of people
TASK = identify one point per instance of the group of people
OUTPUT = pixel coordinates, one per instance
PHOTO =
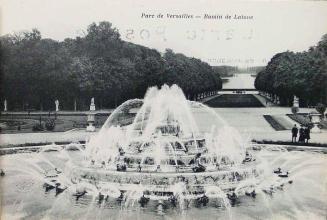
(303, 132)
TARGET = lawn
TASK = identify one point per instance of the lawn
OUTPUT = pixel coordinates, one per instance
(234, 101)
(275, 123)
(24, 123)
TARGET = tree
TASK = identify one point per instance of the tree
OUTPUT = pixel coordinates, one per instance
(38, 71)
(301, 74)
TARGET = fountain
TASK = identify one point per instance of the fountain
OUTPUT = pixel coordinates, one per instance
(159, 154)
(170, 155)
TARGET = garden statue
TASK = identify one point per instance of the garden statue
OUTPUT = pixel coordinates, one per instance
(5, 105)
(92, 106)
(75, 105)
(295, 101)
(91, 117)
(57, 105)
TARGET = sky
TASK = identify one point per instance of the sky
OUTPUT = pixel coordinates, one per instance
(276, 26)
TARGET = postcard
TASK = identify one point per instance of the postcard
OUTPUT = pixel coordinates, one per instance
(163, 109)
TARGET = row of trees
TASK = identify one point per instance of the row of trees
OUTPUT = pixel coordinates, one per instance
(36, 71)
(302, 74)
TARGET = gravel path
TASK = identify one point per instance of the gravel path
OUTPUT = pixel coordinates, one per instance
(248, 121)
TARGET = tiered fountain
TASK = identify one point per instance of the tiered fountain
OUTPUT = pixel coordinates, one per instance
(164, 153)
(160, 155)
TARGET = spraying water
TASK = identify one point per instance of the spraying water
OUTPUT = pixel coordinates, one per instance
(156, 153)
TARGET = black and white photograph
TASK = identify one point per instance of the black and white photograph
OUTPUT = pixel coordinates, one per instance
(166, 110)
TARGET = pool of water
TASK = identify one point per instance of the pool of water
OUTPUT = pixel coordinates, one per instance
(23, 195)
(24, 198)
(239, 81)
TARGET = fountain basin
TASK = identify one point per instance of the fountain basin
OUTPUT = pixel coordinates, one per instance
(161, 185)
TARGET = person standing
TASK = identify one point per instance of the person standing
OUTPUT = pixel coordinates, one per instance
(302, 136)
(307, 134)
(294, 133)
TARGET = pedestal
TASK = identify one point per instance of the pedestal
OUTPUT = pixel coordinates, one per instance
(92, 107)
(90, 127)
(315, 129)
(90, 120)
(315, 119)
